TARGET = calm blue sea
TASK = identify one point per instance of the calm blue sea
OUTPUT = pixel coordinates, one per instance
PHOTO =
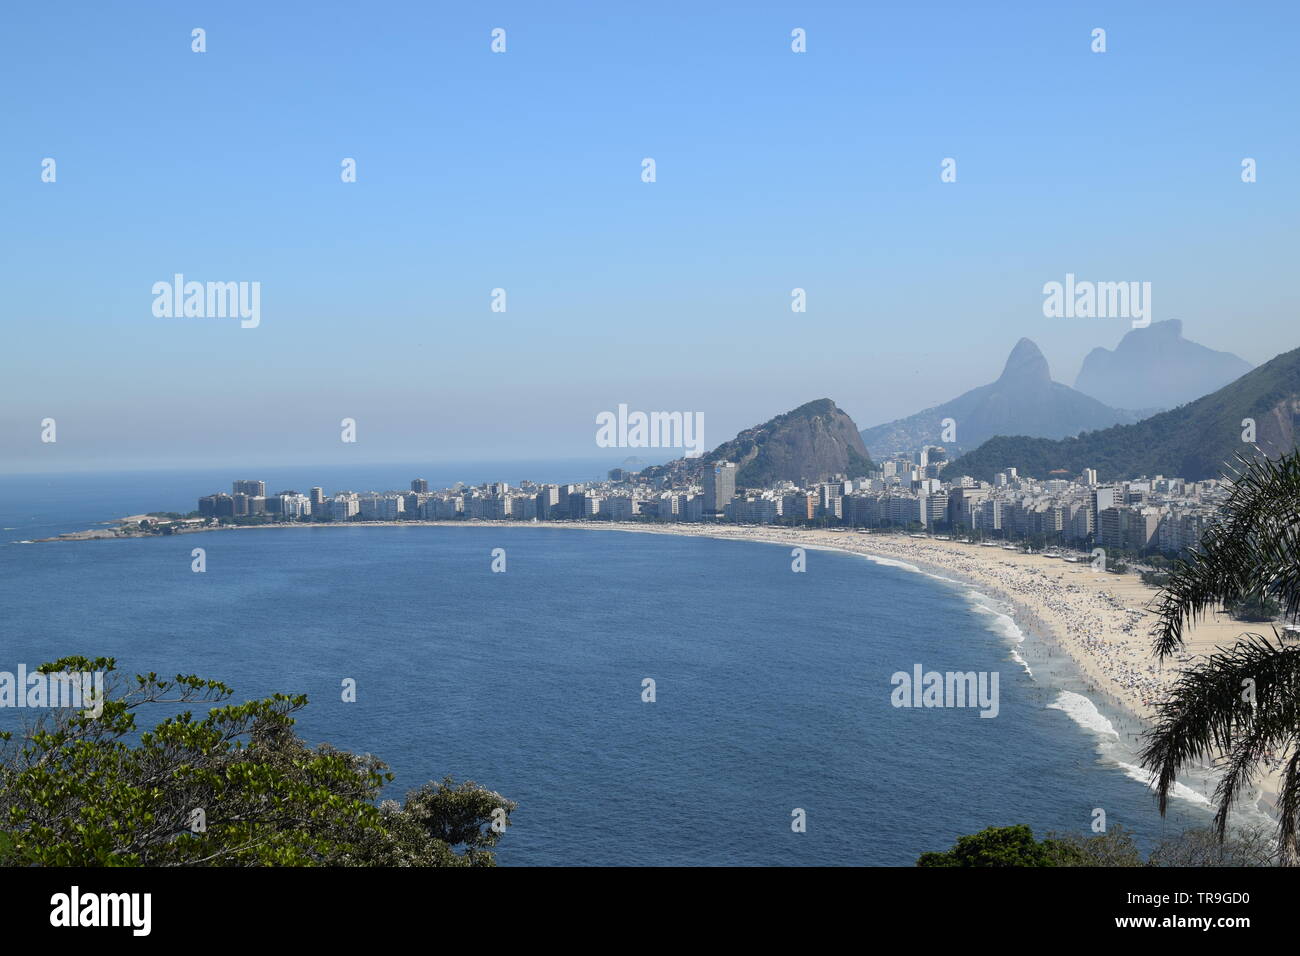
(773, 688)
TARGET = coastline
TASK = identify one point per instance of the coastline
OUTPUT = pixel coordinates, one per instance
(1097, 619)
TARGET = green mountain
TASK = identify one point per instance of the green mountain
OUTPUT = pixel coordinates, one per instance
(814, 441)
(1193, 441)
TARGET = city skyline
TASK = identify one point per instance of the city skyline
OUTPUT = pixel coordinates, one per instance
(1156, 514)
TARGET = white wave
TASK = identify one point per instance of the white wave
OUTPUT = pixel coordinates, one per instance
(1182, 791)
(1006, 624)
(1084, 713)
(1077, 707)
(891, 563)
(1003, 624)
(1015, 656)
(981, 603)
(895, 563)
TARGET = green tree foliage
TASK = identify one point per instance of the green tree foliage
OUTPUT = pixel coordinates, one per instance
(1115, 847)
(1001, 846)
(235, 788)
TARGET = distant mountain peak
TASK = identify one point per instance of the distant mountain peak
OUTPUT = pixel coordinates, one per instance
(820, 406)
(1026, 363)
(1155, 367)
(1023, 401)
(1194, 441)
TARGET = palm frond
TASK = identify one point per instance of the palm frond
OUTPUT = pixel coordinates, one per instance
(1288, 808)
(1253, 551)
(1210, 714)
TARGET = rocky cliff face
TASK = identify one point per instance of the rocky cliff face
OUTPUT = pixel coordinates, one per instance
(813, 442)
(1156, 368)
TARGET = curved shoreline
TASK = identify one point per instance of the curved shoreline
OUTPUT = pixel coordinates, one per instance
(1093, 618)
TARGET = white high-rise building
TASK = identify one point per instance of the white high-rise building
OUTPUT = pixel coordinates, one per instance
(719, 485)
(343, 507)
(295, 506)
(382, 507)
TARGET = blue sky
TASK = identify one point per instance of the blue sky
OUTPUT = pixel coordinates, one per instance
(522, 171)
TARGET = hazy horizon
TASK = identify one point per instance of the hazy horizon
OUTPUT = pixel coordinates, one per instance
(522, 171)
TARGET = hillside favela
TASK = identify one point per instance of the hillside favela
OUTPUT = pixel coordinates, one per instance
(815, 439)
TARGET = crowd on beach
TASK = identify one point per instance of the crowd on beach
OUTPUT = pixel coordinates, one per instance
(1085, 619)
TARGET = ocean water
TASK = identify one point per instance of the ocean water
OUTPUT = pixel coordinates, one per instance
(773, 688)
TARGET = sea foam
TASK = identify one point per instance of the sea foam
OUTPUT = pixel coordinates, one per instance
(1182, 791)
(1084, 713)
